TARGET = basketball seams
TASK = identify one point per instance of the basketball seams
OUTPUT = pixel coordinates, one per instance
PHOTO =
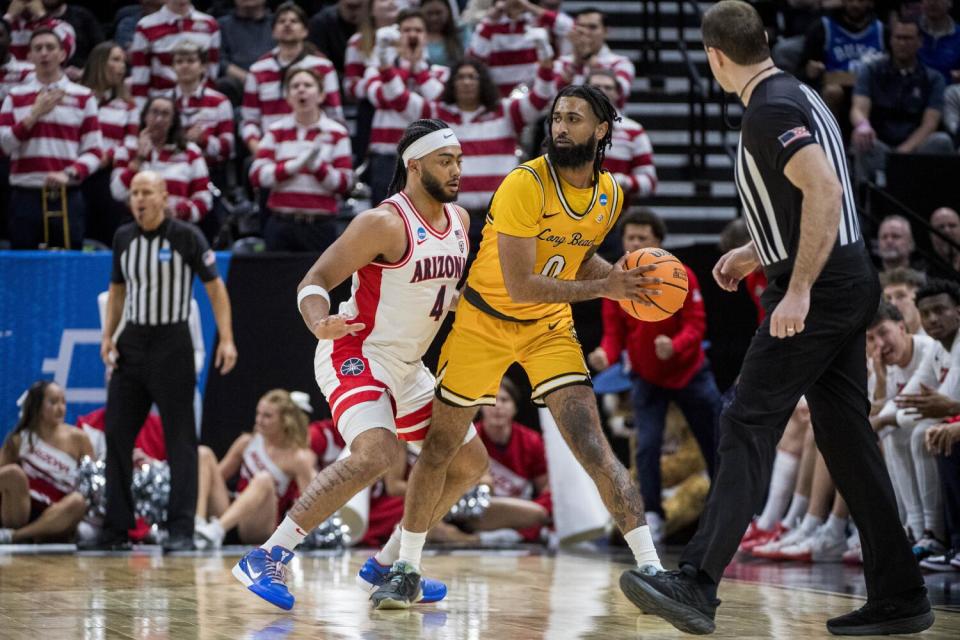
(656, 257)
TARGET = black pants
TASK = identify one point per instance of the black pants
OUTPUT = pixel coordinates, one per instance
(949, 467)
(25, 218)
(827, 363)
(155, 365)
(104, 214)
(314, 236)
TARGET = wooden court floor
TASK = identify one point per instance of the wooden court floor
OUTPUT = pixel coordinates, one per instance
(502, 595)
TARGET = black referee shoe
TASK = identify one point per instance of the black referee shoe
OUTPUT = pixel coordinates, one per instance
(400, 588)
(907, 613)
(675, 596)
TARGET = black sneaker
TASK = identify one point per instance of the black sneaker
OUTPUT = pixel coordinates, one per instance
(909, 613)
(675, 596)
(400, 588)
(105, 541)
(176, 544)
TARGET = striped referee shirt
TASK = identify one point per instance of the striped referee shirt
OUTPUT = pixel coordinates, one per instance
(784, 116)
(157, 268)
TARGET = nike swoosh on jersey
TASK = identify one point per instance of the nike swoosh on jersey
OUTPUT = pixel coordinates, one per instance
(553, 326)
(550, 215)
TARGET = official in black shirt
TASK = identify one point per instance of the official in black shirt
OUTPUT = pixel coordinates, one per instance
(154, 262)
(823, 292)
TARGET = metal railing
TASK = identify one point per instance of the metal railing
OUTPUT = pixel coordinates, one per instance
(650, 25)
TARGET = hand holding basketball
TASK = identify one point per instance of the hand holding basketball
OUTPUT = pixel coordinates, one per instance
(335, 326)
(659, 267)
(631, 283)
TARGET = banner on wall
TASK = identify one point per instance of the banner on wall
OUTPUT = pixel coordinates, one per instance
(50, 326)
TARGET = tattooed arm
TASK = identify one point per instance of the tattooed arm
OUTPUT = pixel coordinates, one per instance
(518, 258)
(594, 267)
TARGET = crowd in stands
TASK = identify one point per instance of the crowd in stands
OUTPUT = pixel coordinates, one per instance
(294, 106)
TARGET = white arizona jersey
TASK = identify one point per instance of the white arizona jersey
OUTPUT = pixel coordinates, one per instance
(51, 472)
(403, 304)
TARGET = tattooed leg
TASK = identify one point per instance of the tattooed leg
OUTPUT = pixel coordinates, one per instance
(575, 410)
(371, 454)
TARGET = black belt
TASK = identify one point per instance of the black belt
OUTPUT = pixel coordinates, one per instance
(303, 218)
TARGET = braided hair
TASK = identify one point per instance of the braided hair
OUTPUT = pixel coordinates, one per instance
(414, 131)
(602, 108)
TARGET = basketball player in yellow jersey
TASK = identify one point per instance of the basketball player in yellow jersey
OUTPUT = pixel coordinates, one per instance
(537, 255)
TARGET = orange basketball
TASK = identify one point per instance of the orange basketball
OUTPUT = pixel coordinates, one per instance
(673, 291)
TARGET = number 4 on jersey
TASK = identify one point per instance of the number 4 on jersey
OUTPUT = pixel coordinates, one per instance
(437, 312)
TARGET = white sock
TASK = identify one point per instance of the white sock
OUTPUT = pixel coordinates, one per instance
(641, 543)
(411, 547)
(390, 551)
(288, 535)
(836, 527)
(782, 481)
(810, 523)
(798, 507)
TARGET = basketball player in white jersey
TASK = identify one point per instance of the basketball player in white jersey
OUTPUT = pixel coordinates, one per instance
(406, 257)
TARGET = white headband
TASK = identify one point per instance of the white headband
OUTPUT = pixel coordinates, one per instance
(430, 143)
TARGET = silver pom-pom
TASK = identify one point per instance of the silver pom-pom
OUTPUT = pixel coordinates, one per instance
(151, 492)
(331, 534)
(91, 484)
(471, 505)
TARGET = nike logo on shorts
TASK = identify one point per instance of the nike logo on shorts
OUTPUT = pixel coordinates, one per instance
(553, 325)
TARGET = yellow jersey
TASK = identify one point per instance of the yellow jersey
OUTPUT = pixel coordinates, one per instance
(533, 202)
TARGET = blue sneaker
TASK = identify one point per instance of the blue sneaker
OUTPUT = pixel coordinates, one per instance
(373, 574)
(265, 574)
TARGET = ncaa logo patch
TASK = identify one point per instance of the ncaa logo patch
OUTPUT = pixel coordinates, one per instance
(421, 234)
(603, 199)
(164, 255)
(352, 367)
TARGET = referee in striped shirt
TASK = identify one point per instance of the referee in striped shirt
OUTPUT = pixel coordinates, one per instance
(794, 184)
(154, 261)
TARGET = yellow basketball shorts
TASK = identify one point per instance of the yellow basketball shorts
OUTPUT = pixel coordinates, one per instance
(480, 348)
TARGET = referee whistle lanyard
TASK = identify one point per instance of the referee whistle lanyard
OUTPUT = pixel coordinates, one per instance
(723, 106)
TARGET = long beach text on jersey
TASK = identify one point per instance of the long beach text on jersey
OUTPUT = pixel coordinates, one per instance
(403, 304)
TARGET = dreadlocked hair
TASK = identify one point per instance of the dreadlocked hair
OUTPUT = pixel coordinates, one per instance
(602, 108)
(414, 131)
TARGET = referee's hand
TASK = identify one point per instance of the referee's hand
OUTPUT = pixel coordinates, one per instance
(787, 319)
(108, 352)
(226, 357)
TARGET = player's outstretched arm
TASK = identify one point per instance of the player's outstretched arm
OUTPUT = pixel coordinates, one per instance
(377, 234)
(518, 259)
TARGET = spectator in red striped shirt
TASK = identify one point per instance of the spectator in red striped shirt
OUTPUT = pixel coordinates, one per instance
(401, 48)
(25, 17)
(49, 128)
(507, 42)
(157, 34)
(263, 100)
(359, 55)
(12, 73)
(667, 363)
(206, 115)
(162, 148)
(487, 126)
(305, 161)
(590, 52)
(12, 70)
(630, 156)
(119, 120)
